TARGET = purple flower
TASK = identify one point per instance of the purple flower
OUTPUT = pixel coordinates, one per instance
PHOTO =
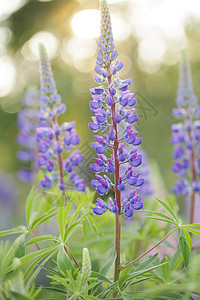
(28, 122)
(52, 138)
(186, 134)
(113, 106)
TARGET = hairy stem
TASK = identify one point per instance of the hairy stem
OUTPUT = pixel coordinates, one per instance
(60, 161)
(152, 248)
(193, 175)
(117, 192)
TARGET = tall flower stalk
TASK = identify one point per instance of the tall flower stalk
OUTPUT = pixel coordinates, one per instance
(28, 122)
(53, 139)
(186, 138)
(112, 104)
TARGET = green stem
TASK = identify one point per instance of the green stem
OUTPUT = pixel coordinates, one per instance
(152, 248)
(4, 295)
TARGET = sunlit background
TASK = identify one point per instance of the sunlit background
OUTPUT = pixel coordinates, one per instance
(149, 35)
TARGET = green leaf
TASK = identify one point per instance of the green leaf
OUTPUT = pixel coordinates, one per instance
(91, 297)
(165, 268)
(18, 296)
(19, 229)
(71, 229)
(63, 214)
(63, 260)
(188, 238)
(18, 246)
(160, 219)
(167, 219)
(94, 225)
(52, 289)
(89, 287)
(166, 206)
(139, 273)
(175, 260)
(45, 217)
(29, 203)
(193, 226)
(42, 238)
(85, 228)
(73, 218)
(28, 257)
(6, 257)
(100, 277)
(193, 231)
(146, 263)
(104, 270)
(42, 263)
(185, 249)
(32, 266)
(133, 282)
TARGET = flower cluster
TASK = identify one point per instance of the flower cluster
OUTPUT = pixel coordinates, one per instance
(186, 134)
(53, 139)
(145, 190)
(113, 104)
(27, 123)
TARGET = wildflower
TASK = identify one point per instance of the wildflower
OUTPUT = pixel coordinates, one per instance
(113, 105)
(53, 139)
(28, 122)
(186, 134)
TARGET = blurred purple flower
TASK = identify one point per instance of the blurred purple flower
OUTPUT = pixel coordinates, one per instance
(27, 123)
(186, 134)
(54, 139)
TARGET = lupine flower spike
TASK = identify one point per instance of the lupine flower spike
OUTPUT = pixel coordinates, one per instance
(27, 123)
(186, 137)
(113, 104)
(54, 139)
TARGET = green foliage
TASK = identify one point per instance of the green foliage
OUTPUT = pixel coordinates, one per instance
(172, 276)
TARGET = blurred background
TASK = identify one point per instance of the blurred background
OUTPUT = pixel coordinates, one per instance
(149, 35)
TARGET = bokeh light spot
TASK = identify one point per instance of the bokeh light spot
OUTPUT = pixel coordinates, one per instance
(48, 39)
(86, 23)
(7, 76)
